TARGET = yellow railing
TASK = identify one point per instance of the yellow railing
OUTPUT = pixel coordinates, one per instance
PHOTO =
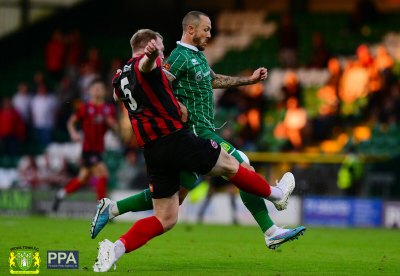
(294, 157)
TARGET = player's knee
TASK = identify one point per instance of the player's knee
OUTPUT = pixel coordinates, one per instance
(168, 221)
(229, 165)
(244, 157)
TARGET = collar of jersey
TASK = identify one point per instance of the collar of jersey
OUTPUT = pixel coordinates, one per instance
(194, 48)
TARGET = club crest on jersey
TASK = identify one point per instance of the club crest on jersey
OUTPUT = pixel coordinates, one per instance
(198, 76)
(167, 66)
(127, 68)
(214, 144)
(194, 61)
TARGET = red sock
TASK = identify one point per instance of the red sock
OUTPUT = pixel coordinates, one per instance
(72, 186)
(101, 187)
(251, 182)
(141, 232)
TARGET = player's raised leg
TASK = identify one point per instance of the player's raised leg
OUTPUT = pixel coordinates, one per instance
(165, 217)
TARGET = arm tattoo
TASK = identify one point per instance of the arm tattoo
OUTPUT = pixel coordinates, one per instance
(221, 81)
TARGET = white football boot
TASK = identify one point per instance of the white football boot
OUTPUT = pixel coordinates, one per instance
(106, 257)
(286, 184)
(282, 235)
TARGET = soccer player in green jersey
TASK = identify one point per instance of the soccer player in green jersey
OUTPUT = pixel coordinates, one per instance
(193, 82)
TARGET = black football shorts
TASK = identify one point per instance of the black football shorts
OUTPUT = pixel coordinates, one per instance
(90, 158)
(171, 154)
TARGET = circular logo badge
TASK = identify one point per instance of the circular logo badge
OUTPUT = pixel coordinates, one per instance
(198, 76)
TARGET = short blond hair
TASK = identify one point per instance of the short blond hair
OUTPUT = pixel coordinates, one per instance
(140, 39)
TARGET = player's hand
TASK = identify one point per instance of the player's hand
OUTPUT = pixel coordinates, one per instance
(184, 112)
(259, 75)
(151, 50)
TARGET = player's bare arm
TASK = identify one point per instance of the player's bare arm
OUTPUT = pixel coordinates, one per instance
(112, 123)
(73, 132)
(148, 62)
(169, 76)
(222, 81)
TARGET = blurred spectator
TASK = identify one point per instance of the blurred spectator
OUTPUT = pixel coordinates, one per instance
(38, 80)
(217, 185)
(350, 174)
(21, 101)
(250, 117)
(384, 63)
(288, 43)
(12, 128)
(353, 89)
(329, 106)
(55, 55)
(291, 87)
(94, 61)
(73, 54)
(364, 57)
(320, 54)
(361, 82)
(87, 76)
(28, 173)
(44, 107)
(131, 173)
(67, 93)
(293, 125)
(335, 72)
(54, 174)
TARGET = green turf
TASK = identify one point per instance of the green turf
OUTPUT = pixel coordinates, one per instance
(211, 250)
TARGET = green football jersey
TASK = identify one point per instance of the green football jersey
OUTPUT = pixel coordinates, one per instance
(192, 84)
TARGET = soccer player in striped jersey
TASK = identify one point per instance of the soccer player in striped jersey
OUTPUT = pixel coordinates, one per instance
(193, 82)
(169, 148)
(96, 117)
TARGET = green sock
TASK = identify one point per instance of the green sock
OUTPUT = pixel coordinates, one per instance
(139, 202)
(258, 209)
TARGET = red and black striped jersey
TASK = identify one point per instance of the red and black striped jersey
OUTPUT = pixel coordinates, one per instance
(153, 109)
(93, 119)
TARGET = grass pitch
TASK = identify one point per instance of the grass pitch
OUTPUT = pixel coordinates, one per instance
(210, 250)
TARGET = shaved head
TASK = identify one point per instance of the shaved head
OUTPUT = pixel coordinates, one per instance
(192, 18)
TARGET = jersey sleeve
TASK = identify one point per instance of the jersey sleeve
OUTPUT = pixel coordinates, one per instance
(115, 83)
(176, 64)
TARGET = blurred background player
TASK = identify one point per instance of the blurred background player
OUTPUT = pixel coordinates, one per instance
(96, 117)
(218, 185)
